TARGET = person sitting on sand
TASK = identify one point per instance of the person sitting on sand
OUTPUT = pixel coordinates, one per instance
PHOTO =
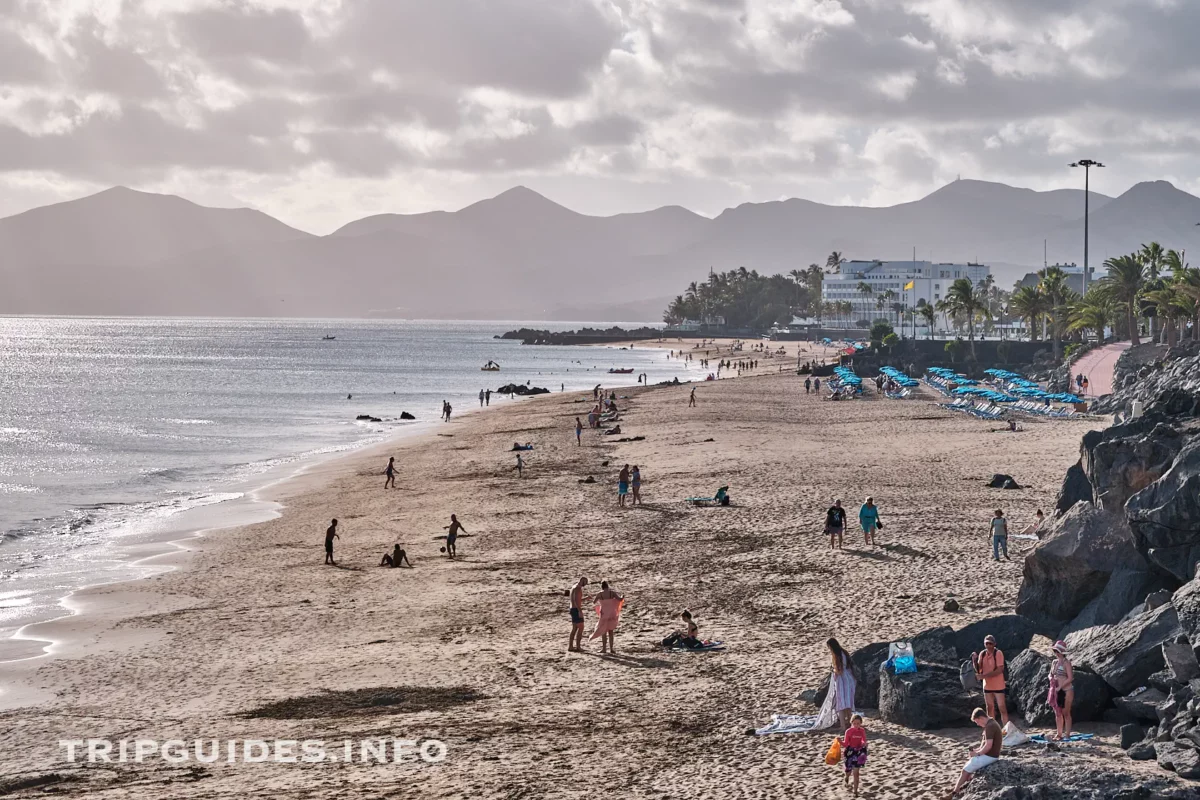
(608, 613)
(986, 754)
(1035, 528)
(575, 593)
(689, 637)
(835, 523)
(854, 751)
(452, 536)
(330, 535)
(394, 558)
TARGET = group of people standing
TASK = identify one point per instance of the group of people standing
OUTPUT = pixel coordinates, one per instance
(989, 668)
(868, 520)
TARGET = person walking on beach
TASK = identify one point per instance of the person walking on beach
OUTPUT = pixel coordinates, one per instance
(999, 536)
(449, 408)
(520, 466)
(444, 405)
(692, 398)
(453, 529)
(1062, 690)
(390, 472)
(835, 523)
(854, 751)
(330, 535)
(868, 517)
(622, 485)
(575, 593)
(807, 385)
(578, 433)
(842, 682)
(481, 396)
(986, 754)
(817, 385)
(989, 669)
(635, 482)
(487, 397)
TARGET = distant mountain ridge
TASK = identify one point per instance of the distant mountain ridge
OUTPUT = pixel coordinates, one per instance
(520, 255)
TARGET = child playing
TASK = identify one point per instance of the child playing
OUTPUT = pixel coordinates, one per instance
(854, 749)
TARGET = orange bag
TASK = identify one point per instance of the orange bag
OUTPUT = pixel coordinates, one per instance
(835, 753)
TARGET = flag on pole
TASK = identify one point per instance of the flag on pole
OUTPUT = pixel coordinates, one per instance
(910, 285)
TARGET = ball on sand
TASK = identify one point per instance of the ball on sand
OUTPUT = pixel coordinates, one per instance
(442, 549)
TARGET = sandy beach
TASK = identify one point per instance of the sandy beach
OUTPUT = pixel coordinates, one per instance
(254, 638)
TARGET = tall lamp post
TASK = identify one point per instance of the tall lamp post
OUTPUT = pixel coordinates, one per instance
(1087, 165)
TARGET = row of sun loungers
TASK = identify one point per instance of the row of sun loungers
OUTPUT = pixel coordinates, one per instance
(980, 410)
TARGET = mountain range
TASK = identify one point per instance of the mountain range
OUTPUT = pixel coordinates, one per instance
(521, 256)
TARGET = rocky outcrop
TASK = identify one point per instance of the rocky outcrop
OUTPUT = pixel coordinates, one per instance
(1049, 778)
(1029, 685)
(406, 415)
(1120, 466)
(1013, 634)
(1001, 481)
(1076, 488)
(521, 389)
(1165, 516)
(933, 696)
(1142, 704)
(1072, 564)
(1127, 588)
(1125, 655)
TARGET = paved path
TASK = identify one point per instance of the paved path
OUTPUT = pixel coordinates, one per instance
(1098, 366)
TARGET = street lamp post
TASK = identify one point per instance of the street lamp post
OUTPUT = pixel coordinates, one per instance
(1087, 165)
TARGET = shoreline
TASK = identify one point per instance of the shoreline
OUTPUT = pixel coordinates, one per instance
(257, 619)
(169, 548)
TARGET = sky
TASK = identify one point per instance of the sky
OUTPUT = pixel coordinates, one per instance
(324, 111)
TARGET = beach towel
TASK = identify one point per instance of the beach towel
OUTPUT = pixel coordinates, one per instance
(1074, 737)
(823, 720)
(679, 645)
(608, 614)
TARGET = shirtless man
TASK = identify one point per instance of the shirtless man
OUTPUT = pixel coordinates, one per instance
(330, 535)
(575, 644)
(453, 529)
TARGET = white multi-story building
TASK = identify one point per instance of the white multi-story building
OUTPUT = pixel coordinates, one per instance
(911, 282)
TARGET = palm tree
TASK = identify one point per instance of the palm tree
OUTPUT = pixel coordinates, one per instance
(1171, 305)
(928, 313)
(1031, 306)
(1053, 287)
(888, 297)
(964, 300)
(1094, 312)
(847, 309)
(1123, 283)
(866, 291)
(834, 262)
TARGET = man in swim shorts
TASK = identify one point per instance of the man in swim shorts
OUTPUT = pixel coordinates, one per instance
(623, 485)
(330, 535)
(452, 534)
(576, 594)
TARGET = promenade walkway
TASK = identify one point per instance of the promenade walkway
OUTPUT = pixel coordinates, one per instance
(1097, 366)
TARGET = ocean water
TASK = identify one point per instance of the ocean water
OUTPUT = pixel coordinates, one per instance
(112, 430)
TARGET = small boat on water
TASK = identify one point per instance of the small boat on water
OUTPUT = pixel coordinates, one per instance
(615, 371)
(490, 366)
(328, 338)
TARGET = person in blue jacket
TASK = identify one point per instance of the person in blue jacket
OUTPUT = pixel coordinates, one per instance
(868, 517)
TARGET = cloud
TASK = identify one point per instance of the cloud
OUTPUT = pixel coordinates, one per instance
(287, 103)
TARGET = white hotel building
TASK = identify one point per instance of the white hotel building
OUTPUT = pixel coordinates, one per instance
(929, 283)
